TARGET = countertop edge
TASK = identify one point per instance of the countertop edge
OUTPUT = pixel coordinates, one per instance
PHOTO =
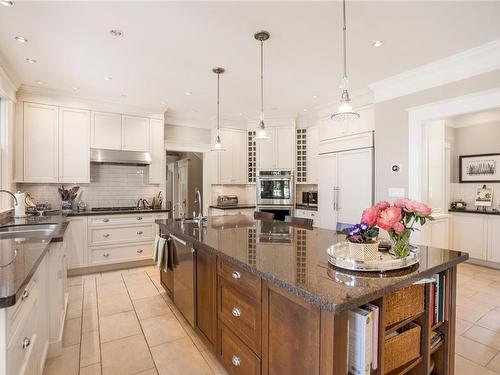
(314, 299)
(233, 207)
(97, 213)
(474, 212)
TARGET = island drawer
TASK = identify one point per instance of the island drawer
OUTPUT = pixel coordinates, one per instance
(247, 282)
(241, 314)
(100, 220)
(104, 235)
(236, 356)
(121, 253)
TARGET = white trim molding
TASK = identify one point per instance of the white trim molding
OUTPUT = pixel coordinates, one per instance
(478, 60)
(187, 147)
(8, 84)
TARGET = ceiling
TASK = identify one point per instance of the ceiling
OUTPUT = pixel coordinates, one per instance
(169, 48)
(475, 118)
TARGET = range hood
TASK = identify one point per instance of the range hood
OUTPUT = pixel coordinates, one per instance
(103, 156)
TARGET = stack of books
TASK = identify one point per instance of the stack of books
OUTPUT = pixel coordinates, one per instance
(437, 299)
(363, 339)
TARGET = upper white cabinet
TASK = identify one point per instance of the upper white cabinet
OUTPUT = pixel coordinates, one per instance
(74, 145)
(231, 164)
(106, 130)
(278, 151)
(157, 149)
(329, 128)
(135, 133)
(41, 143)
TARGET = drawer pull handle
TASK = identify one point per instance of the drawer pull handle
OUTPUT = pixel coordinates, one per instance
(236, 275)
(105, 220)
(139, 232)
(236, 312)
(26, 343)
(236, 361)
(25, 295)
(105, 235)
(105, 255)
(139, 218)
(140, 251)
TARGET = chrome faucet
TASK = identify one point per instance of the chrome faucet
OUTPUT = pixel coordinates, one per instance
(13, 196)
(181, 209)
(197, 200)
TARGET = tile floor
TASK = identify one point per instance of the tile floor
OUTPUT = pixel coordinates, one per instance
(123, 323)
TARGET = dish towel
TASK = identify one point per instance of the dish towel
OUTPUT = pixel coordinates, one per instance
(173, 259)
(159, 254)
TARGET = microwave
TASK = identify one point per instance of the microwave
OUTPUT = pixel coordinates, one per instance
(310, 198)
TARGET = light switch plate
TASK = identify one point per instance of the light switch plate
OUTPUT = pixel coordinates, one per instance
(396, 192)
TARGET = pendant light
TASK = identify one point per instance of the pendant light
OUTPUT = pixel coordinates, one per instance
(261, 133)
(345, 111)
(218, 144)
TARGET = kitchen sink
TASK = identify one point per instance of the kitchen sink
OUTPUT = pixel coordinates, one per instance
(24, 231)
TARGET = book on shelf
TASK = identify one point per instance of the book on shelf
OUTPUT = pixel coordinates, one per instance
(360, 341)
(436, 338)
(375, 326)
(438, 299)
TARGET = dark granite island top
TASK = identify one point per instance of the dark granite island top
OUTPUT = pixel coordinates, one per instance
(295, 259)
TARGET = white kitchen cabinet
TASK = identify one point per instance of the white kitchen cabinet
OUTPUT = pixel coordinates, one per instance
(232, 211)
(106, 131)
(308, 214)
(74, 145)
(493, 253)
(328, 164)
(41, 143)
(232, 164)
(135, 133)
(312, 159)
(157, 150)
(329, 129)
(76, 242)
(279, 151)
(470, 234)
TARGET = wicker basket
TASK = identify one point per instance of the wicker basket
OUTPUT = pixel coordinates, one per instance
(364, 251)
(403, 348)
(404, 303)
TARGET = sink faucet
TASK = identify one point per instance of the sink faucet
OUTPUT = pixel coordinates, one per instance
(13, 196)
(181, 209)
(142, 204)
(197, 200)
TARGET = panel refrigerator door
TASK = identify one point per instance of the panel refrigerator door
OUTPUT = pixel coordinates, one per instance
(328, 190)
(355, 179)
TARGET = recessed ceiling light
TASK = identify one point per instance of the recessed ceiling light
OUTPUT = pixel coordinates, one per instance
(188, 93)
(7, 3)
(116, 32)
(123, 96)
(76, 88)
(240, 114)
(40, 82)
(378, 43)
(31, 61)
(108, 78)
(315, 96)
(305, 109)
(21, 39)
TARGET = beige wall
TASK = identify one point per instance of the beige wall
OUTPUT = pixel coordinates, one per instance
(184, 134)
(391, 127)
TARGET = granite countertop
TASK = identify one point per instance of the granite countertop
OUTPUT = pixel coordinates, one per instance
(306, 207)
(295, 259)
(135, 211)
(474, 211)
(233, 207)
(20, 257)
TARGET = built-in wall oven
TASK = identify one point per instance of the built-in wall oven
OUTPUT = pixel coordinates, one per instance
(275, 192)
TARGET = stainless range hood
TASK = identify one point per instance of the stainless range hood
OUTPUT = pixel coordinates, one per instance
(102, 156)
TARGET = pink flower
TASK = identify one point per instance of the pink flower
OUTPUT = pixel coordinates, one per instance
(398, 227)
(370, 216)
(401, 203)
(418, 208)
(381, 206)
(389, 217)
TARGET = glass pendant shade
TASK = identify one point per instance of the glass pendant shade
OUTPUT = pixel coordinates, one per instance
(218, 144)
(345, 112)
(261, 133)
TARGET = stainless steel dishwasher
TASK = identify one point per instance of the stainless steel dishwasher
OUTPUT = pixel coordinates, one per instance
(184, 279)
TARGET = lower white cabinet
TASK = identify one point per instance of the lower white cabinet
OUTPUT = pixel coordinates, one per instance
(308, 214)
(240, 211)
(76, 242)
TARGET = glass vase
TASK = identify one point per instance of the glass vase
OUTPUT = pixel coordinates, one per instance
(401, 244)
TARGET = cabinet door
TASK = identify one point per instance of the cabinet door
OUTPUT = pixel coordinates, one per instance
(285, 147)
(75, 238)
(106, 131)
(206, 296)
(74, 145)
(312, 155)
(239, 144)
(494, 239)
(355, 181)
(327, 191)
(41, 144)
(226, 158)
(469, 234)
(266, 151)
(157, 149)
(135, 133)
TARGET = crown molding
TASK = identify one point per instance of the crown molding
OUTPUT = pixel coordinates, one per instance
(478, 60)
(9, 83)
(273, 122)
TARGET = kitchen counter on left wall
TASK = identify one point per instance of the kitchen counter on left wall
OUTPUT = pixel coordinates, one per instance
(20, 257)
(117, 212)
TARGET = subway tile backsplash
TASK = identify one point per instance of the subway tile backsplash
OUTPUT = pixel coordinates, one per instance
(111, 185)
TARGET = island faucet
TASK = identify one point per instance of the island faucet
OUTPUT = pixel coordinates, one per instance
(13, 196)
(197, 200)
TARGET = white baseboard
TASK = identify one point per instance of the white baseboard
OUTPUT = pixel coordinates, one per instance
(484, 263)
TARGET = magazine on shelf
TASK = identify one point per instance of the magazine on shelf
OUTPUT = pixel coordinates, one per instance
(360, 341)
(375, 325)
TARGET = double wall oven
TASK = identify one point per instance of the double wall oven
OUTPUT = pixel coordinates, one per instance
(275, 192)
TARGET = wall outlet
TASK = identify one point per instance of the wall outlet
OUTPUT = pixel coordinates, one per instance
(396, 168)
(396, 192)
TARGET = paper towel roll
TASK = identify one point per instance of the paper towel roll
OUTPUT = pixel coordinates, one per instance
(20, 209)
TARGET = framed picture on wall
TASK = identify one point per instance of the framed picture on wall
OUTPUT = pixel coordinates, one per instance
(479, 168)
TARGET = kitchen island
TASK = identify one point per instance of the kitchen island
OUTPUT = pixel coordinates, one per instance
(267, 302)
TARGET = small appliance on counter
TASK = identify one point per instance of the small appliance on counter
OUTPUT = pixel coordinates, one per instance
(20, 207)
(227, 200)
(310, 198)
